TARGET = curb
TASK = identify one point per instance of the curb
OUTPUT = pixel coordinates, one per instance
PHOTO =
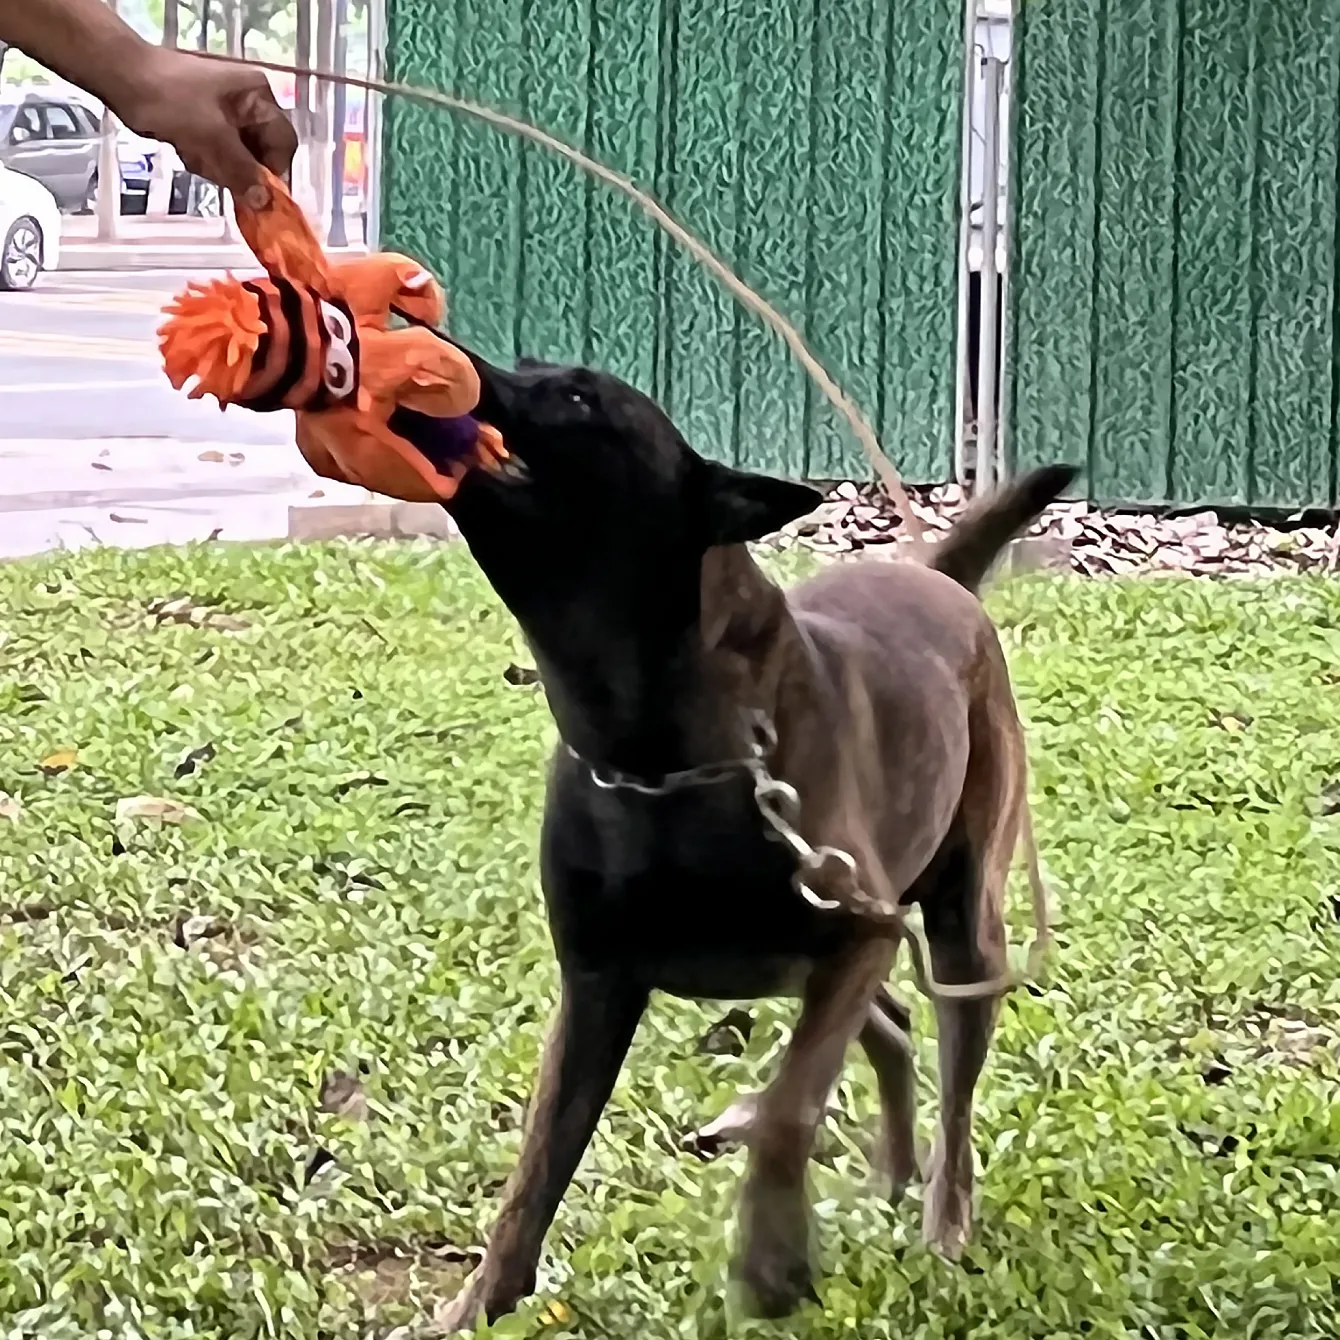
(370, 520)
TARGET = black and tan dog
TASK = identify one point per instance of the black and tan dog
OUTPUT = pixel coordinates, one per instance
(881, 694)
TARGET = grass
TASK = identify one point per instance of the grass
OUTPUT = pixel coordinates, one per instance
(1160, 1124)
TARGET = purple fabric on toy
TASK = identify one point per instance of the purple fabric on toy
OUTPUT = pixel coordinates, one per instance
(442, 441)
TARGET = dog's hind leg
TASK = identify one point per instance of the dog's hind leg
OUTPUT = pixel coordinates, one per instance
(887, 1029)
(965, 926)
(888, 1023)
(774, 1263)
(597, 1018)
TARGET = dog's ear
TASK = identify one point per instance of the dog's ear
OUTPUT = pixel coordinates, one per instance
(741, 506)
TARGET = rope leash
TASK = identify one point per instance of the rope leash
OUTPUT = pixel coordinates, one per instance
(860, 428)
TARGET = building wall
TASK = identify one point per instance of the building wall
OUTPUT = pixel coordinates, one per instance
(815, 146)
(1173, 290)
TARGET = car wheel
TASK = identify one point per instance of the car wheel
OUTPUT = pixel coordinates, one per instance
(208, 205)
(90, 200)
(21, 256)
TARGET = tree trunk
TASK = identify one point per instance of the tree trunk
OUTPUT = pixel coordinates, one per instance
(336, 236)
(321, 123)
(202, 40)
(159, 203)
(302, 57)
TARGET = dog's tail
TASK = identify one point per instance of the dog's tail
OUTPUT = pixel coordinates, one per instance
(967, 553)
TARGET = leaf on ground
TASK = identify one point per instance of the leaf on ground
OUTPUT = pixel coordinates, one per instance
(729, 1035)
(342, 1096)
(162, 808)
(61, 761)
(521, 676)
(192, 760)
(11, 807)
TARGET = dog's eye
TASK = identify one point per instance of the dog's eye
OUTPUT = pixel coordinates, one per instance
(574, 397)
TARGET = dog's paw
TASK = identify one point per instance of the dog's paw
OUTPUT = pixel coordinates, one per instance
(775, 1267)
(896, 1164)
(731, 1128)
(776, 1283)
(947, 1224)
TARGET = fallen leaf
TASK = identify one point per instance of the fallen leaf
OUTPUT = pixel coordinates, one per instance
(11, 807)
(129, 520)
(729, 1036)
(211, 457)
(556, 1313)
(200, 927)
(61, 761)
(100, 465)
(342, 1096)
(521, 676)
(161, 808)
(191, 761)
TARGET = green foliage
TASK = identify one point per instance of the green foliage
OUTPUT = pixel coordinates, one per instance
(1158, 1123)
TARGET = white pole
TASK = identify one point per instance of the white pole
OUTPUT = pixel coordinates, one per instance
(109, 174)
(964, 244)
(372, 123)
(988, 447)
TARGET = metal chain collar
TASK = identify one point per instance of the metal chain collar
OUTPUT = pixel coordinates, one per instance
(779, 804)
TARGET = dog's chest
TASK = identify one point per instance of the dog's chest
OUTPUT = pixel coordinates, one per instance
(687, 892)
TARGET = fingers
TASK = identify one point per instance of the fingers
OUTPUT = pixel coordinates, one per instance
(270, 137)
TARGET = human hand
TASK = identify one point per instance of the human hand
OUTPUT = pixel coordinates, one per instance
(222, 119)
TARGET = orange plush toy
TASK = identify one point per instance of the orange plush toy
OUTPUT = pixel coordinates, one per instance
(315, 337)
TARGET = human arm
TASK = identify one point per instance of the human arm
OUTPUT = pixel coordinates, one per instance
(222, 119)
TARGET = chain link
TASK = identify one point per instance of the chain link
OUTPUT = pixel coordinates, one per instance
(828, 868)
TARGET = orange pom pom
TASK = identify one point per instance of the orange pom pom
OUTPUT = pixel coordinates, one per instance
(211, 335)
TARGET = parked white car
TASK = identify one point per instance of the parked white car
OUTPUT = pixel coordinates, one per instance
(29, 230)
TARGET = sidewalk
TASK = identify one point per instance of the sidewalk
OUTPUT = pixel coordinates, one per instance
(180, 242)
(136, 492)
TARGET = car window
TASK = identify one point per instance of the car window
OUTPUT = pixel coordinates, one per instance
(7, 110)
(61, 123)
(27, 124)
(90, 120)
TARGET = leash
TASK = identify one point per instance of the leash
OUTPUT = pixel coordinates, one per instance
(777, 800)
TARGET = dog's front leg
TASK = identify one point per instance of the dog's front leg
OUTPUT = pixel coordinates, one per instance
(588, 1041)
(774, 1263)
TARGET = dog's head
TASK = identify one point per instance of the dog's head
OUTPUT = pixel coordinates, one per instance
(608, 495)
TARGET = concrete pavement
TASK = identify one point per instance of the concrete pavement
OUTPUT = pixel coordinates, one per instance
(96, 447)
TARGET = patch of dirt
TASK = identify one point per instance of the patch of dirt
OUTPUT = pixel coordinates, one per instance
(386, 1274)
(1076, 536)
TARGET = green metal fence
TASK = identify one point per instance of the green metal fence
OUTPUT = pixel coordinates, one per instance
(814, 145)
(1173, 289)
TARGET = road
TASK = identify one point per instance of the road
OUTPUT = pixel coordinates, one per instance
(79, 360)
(97, 448)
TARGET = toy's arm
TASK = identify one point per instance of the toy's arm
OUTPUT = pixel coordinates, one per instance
(416, 369)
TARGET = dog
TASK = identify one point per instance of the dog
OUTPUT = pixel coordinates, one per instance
(684, 685)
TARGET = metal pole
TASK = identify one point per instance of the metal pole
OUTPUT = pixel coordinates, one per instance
(961, 380)
(336, 237)
(988, 447)
(372, 125)
(109, 174)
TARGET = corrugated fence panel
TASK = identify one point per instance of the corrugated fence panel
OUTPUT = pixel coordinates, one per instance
(816, 150)
(1133, 257)
(1212, 323)
(1189, 352)
(1293, 269)
(1055, 106)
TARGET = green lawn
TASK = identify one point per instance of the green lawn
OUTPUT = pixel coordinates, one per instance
(1160, 1125)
